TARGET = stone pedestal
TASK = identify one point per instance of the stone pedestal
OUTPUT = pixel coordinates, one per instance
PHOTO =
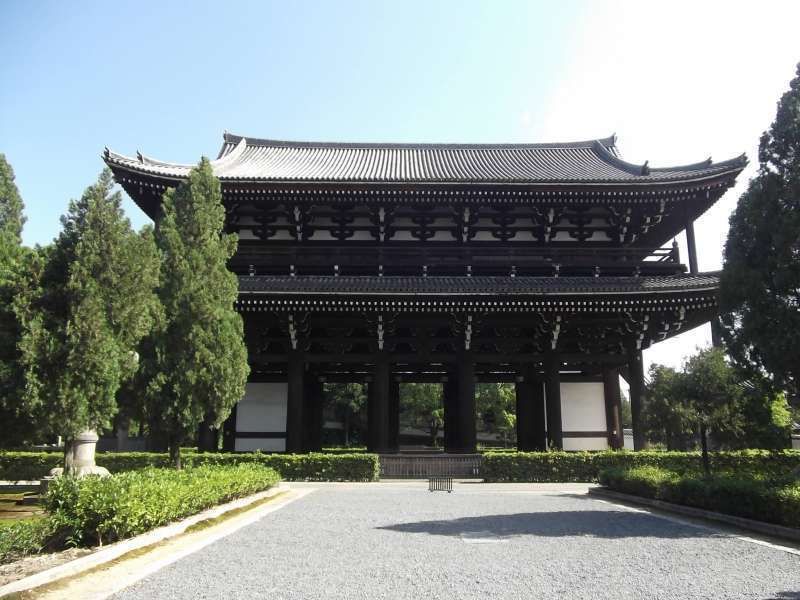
(79, 457)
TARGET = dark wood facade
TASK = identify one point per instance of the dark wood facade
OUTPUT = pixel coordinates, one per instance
(542, 265)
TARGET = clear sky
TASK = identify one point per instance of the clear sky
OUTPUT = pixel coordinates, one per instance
(677, 81)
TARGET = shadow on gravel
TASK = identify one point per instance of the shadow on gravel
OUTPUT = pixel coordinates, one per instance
(592, 523)
(786, 596)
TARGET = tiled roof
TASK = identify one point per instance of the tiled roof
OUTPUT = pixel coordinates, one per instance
(594, 161)
(474, 286)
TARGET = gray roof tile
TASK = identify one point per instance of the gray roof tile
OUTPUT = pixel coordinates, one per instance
(475, 286)
(593, 161)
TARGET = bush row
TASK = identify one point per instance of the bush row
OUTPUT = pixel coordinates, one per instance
(586, 466)
(29, 536)
(743, 496)
(16, 466)
(99, 510)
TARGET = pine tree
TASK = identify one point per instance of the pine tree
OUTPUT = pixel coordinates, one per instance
(200, 359)
(93, 303)
(761, 276)
(19, 426)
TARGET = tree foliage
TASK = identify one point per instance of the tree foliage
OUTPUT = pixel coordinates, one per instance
(349, 402)
(495, 404)
(88, 303)
(667, 418)
(199, 360)
(761, 276)
(710, 394)
(18, 424)
(421, 406)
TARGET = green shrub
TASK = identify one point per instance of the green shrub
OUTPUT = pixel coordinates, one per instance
(357, 466)
(105, 509)
(757, 498)
(586, 466)
(21, 538)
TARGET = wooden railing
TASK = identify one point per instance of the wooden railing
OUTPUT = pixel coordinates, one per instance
(426, 466)
(273, 259)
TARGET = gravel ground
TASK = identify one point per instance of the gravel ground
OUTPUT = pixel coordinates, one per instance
(395, 541)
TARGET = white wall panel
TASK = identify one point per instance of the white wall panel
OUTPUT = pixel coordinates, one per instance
(585, 443)
(265, 444)
(263, 407)
(582, 406)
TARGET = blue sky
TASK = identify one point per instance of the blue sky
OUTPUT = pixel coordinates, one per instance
(676, 81)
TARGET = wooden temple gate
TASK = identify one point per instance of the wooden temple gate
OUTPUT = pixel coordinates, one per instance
(550, 266)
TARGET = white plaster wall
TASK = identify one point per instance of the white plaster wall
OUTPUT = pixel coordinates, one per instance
(265, 444)
(583, 409)
(262, 409)
(575, 444)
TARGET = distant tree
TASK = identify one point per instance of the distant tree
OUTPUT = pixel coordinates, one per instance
(666, 416)
(496, 407)
(86, 314)
(199, 363)
(349, 401)
(19, 426)
(713, 391)
(421, 405)
(761, 275)
(625, 410)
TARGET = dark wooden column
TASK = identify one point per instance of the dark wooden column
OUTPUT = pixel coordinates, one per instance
(314, 398)
(379, 405)
(295, 372)
(539, 420)
(450, 403)
(531, 434)
(394, 415)
(616, 436)
(465, 438)
(636, 383)
(555, 436)
(692, 247)
(524, 414)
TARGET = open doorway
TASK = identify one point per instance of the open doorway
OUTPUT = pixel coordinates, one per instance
(421, 416)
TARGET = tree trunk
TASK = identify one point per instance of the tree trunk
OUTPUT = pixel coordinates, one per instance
(175, 451)
(704, 446)
(347, 428)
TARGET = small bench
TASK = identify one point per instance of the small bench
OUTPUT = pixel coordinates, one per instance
(440, 484)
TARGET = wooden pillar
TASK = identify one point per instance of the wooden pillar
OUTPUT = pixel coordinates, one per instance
(379, 406)
(294, 407)
(636, 383)
(229, 431)
(616, 436)
(465, 439)
(314, 399)
(523, 390)
(450, 403)
(555, 435)
(394, 415)
(531, 435)
(692, 247)
(539, 422)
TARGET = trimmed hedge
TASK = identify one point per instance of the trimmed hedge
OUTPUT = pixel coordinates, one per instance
(773, 501)
(17, 466)
(96, 510)
(560, 467)
(21, 538)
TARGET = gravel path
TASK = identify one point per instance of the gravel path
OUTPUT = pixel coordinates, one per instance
(395, 541)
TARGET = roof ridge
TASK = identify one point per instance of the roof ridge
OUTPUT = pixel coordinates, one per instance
(230, 138)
